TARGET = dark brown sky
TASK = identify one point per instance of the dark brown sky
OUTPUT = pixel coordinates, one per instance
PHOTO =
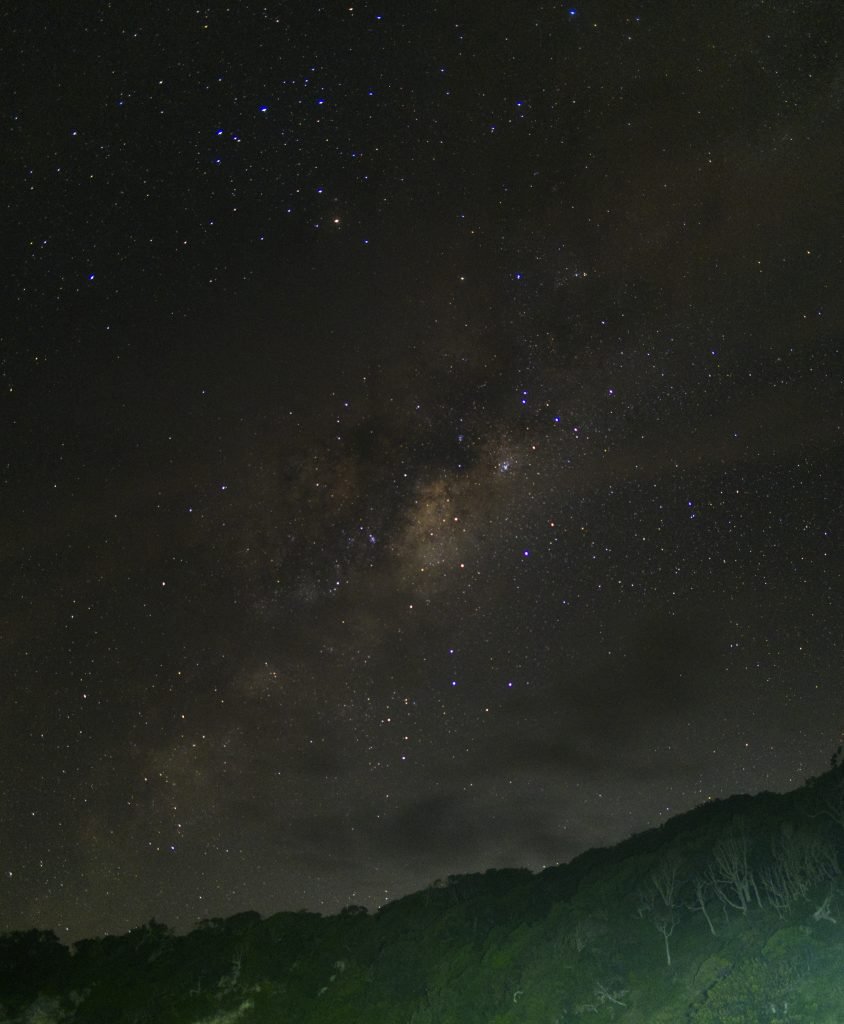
(421, 441)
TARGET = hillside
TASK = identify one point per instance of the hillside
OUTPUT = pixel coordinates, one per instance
(732, 913)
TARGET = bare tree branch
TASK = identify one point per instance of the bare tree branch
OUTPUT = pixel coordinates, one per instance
(729, 873)
(702, 888)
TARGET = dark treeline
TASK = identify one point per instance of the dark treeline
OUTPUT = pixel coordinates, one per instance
(732, 913)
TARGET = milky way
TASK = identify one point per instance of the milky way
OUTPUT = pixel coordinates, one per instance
(422, 442)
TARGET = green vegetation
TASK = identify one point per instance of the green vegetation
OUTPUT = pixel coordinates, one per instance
(732, 913)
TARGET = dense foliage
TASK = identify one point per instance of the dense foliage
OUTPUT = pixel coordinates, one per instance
(732, 913)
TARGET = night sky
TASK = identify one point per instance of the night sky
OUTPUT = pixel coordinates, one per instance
(420, 439)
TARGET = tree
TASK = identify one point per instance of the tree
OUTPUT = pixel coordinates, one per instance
(824, 911)
(729, 873)
(799, 860)
(586, 930)
(660, 898)
(831, 797)
(353, 910)
(26, 958)
(702, 890)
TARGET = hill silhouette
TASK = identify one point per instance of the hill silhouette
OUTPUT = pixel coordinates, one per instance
(731, 913)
